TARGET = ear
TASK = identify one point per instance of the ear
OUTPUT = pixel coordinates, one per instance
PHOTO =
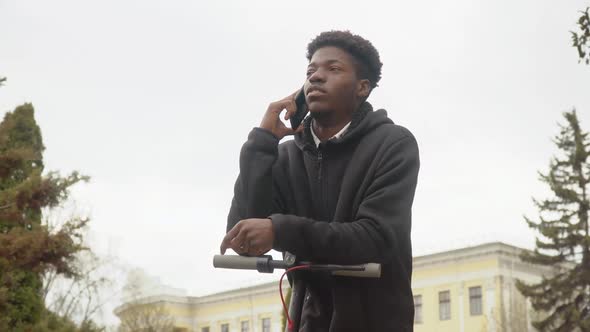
(363, 88)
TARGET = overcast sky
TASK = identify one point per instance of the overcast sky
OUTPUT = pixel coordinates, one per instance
(153, 100)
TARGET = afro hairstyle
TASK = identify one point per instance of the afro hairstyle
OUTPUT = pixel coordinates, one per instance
(366, 55)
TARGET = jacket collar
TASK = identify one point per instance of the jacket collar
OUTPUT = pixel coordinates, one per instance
(305, 141)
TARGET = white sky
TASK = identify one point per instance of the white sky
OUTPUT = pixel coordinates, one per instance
(154, 99)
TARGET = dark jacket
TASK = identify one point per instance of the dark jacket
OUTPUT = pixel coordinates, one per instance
(346, 202)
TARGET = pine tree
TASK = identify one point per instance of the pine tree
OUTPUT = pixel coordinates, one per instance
(564, 244)
(581, 39)
(28, 247)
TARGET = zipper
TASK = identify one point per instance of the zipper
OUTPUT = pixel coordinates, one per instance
(320, 163)
(320, 182)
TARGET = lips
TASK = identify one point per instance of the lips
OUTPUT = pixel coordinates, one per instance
(315, 91)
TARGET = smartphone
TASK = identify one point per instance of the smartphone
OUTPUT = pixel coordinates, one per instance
(302, 110)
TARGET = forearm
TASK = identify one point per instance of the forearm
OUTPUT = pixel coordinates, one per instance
(253, 190)
(355, 242)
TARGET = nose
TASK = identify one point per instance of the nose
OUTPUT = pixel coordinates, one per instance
(317, 76)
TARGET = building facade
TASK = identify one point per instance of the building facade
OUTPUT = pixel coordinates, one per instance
(465, 290)
(473, 289)
(251, 309)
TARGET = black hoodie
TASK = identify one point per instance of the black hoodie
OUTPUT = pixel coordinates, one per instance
(347, 201)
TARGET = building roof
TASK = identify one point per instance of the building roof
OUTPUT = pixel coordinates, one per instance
(477, 251)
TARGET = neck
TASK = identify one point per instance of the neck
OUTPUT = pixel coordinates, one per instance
(327, 126)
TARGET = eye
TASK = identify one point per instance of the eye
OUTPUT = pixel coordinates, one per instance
(310, 72)
(335, 68)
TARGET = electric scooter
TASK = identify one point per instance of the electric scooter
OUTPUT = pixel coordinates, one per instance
(266, 264)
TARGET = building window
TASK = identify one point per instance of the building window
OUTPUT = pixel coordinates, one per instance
(444, 305)
(475, 302)
(418, 309)
(205, 329)
(224, 327)
(245, 327)
(266, 325)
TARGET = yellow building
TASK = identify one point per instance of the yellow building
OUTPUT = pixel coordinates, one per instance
(251, 309)
(465, 290)
(473, 289)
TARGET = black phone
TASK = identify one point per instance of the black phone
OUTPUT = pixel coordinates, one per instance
(302, 110)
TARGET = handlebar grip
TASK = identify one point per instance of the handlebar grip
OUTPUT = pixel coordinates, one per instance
(235, 262)
(371, 270)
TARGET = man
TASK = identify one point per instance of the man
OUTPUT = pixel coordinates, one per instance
(341, 192)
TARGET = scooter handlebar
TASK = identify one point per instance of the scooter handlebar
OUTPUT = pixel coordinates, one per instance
(369, 270)
(235, 262)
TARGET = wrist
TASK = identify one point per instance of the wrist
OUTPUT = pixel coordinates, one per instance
(267, 131)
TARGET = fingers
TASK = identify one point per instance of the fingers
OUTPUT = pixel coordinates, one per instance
(226, 243)
(256, 248)
(243, 248)
(237, 240)
(291, 108)
(287, 103)
(272, 121)
(239, 243)
(253, 246)
(293, 105)
(248, 237)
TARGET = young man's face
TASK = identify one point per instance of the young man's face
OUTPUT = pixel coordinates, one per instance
(332, 84)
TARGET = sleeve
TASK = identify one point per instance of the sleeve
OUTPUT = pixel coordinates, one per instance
(253, 190)
(382, 224)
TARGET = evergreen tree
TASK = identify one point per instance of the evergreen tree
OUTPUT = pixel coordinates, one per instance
(581, 38)
(564, 244)
(27, 247)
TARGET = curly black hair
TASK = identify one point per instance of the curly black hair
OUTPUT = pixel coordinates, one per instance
(366, 55)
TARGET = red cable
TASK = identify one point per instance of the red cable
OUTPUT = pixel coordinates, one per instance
(299, 267)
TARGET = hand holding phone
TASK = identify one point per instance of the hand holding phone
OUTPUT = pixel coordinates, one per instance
(302, 110)
(296, 108)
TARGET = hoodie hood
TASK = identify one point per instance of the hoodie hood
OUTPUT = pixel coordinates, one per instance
(363, 121)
